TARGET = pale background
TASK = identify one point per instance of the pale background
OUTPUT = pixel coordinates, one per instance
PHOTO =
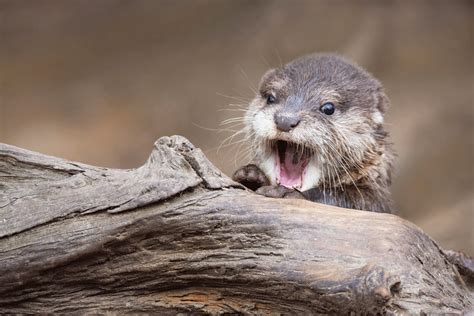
(100, 81)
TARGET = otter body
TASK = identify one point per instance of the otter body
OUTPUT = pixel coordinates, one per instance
(316, 132)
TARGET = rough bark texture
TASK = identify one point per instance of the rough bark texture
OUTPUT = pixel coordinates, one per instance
(176, 235)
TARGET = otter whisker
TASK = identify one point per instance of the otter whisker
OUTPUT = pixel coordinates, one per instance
(233, 120)
(254, 90)
(218, 130)
(234, 98)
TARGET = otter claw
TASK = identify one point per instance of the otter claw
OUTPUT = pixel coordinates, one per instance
(279, 191)
(251, 176)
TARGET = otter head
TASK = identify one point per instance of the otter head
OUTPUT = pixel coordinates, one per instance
(317, 121)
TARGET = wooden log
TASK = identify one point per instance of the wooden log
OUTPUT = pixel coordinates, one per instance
(177, 236)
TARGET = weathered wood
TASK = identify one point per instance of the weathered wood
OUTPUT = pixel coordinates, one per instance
(176, 235)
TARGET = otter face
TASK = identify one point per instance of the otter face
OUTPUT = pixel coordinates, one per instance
(316, 122)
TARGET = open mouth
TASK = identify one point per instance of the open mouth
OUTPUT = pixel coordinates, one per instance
(291, 162)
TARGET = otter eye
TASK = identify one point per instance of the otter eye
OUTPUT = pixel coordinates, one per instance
(328, 108)
(270, 98)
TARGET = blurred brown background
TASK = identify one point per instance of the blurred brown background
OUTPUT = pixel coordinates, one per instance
(99, 81)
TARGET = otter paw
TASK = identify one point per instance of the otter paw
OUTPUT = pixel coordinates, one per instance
(279, 191)
(251, 176)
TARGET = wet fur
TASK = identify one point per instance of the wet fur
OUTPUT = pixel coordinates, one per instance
(354, 158)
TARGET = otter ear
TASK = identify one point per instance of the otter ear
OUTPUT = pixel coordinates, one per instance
(381, 101)
(268, 77)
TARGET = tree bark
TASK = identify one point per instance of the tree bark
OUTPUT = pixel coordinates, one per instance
(176, 235)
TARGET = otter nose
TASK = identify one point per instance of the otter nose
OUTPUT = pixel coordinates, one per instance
(286, 121)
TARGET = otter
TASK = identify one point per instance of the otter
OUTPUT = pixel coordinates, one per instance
(316, 131)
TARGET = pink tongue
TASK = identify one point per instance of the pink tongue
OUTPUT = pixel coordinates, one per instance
(291, 174)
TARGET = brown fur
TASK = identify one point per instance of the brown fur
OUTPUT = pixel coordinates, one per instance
(350, 147)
